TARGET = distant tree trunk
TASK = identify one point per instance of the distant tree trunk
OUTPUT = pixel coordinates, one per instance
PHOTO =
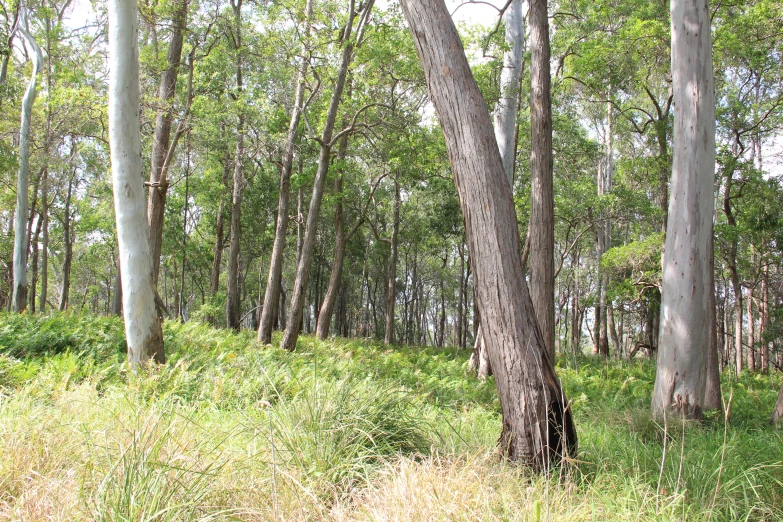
(680, 382)
(731, 259)
(67, 247)
(537, 426)
(272, 292)
(765, 320)
(34, 263)
(751, 334)
(19, 298)
(232, 297)
(442, 322)
(116, 303)
(303, 269)
(391, 284)
(142, 325)
(777, 412)
(45, 243)
(340, 242)
(712, 394)
(542, 218)
(167, 89)
(603, 235)
(217, 252)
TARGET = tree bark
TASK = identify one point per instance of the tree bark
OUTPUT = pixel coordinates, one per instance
(142, 325)
(303, 269)
(765, 320)
(542, 203)
(156, 204)
(67, 247)
(19, 298)
(340, 242)
(217, 252)
(391, 276)
(537, 426)
(505, 125)
(232, 296)
(272, 292)
(777, 411)
(680, 381)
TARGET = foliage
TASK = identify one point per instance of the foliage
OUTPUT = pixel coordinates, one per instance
(347, 430)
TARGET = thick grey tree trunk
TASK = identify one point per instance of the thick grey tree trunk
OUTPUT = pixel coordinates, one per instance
(142, 325)
(156, 204)
(505, 124)
(537, 426)
(272, 293)
(542, 202)
(685, 329)
(19, 298)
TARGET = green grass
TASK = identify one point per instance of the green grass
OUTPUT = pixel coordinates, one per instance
(346, 430)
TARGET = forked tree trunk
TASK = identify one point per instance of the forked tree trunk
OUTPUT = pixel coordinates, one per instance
(687, 308)
(19, 298)
(272, 293)
(542, 202)
(142, 325)
(537, 426)
(299, 293)
(156, 205)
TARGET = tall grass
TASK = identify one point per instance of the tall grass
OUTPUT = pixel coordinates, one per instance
(346, 430)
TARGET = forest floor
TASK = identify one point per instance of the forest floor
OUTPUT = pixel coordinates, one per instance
(347, 430)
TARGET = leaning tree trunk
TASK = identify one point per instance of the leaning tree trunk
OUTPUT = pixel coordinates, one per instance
(340, 241)
(542, 202)
(272, 293)
(142, 325)
(19, 298)
(159, 184)
(232, 294)
(505, 124)
(688, 279)
(308, 242)
(537, 426)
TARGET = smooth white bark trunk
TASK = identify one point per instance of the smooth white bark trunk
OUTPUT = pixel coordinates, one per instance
(142, 325)
(505, 117)
(687, 268)
(19, 299)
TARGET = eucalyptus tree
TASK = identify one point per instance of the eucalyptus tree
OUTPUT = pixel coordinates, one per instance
(542, 204)
(687, 308)
(349, 39)
(142, 326)
(232, 297)
(537, 426)
(272, 293)
(505, 124)
(162, 147)
(20, 227)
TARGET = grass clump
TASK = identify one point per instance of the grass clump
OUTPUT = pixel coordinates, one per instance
(346, 430)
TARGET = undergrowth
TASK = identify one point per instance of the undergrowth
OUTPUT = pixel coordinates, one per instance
(347, 430)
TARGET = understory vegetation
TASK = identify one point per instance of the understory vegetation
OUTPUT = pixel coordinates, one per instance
(347, 430)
